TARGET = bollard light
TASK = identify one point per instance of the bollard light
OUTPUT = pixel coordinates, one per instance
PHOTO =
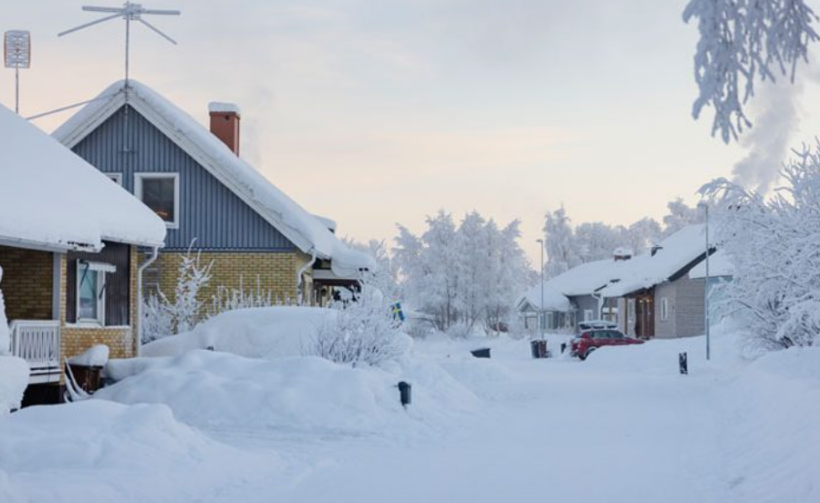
(683, 363)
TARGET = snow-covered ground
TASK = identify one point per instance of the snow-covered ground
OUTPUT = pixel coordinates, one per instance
(622, 426)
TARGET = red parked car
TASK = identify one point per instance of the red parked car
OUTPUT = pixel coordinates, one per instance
(591, 340)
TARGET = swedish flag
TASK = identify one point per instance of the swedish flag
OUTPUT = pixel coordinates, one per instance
(397, 311)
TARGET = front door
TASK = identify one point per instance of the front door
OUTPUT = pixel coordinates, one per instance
(645, 325)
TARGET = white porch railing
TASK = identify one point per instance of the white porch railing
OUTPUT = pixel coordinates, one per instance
(38, 342)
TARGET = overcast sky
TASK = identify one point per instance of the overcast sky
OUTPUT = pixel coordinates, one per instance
(381, 111)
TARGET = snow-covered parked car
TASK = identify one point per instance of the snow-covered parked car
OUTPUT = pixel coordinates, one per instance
(590, 340)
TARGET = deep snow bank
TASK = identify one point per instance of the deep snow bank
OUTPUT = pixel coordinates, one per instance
(255, 333)
(771, 436)
(221, 390)
(103, 451)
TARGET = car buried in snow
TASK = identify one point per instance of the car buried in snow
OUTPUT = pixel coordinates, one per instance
(590, 340)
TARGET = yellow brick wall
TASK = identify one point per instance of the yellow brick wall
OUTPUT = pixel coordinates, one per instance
(78, 338)
(272, 272)
(28, 283)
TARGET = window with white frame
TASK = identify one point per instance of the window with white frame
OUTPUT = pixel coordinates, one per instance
(160, 192)
(588, 315)
(630, 308)
(91, 291)
(115, 177)
(664, 309)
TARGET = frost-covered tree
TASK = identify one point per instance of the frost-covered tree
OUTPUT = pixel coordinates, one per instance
(742, 41)
(680, 215)
(462, 276)
(774, 245)
(560, 245)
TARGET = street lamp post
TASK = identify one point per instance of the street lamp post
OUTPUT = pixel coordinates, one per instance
(542, 320)
(707, 319)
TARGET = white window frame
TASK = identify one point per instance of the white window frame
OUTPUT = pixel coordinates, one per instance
(664, 309)
(101, 269)
(139, 177)
(115, 177)
(630, 309)
(588, 315)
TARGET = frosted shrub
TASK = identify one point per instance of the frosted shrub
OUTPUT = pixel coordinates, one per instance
(231, 299)
(186, 310)
(774, 245)
(364, 331)
(157, 321)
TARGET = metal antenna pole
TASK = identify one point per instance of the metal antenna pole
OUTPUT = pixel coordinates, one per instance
(17, 91)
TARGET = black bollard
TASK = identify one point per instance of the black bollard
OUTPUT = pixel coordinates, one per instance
(563, 347)
(683, 363)
(405, 393)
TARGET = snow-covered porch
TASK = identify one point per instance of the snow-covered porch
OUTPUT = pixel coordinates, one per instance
(31, 287)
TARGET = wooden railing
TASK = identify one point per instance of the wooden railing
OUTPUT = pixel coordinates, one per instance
(38, 342)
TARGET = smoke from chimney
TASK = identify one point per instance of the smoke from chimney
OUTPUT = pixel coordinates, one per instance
(768, 141)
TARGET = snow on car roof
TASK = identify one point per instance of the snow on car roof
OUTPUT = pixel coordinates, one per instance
(305, 230)
(51, 197)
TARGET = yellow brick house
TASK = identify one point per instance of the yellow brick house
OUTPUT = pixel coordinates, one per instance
(68, 252)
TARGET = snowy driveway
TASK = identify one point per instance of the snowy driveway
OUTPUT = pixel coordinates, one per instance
(567, 432)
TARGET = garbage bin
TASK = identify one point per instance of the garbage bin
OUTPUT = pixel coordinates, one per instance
(87, 377)
(481, 353)
(539, 348)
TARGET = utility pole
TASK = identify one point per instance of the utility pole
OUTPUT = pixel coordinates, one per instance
(706, 317)
(542, 318)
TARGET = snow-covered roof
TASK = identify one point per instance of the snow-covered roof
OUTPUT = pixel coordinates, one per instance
(719, 266)
(585, 279)
(307, 232)
(50, 197)
(672, 256)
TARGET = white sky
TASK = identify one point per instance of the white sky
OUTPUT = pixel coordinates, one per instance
(384, 111)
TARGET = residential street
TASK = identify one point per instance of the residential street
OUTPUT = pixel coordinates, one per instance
(562, 429)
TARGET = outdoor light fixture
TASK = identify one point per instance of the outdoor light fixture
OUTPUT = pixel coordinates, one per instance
(17, 55)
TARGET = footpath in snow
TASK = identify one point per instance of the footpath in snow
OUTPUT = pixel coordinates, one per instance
(622, 426)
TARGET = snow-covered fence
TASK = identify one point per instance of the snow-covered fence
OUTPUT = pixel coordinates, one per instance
(38, 342)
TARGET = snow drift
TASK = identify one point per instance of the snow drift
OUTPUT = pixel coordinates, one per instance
(255, 333)
(219, 390)
(105, 451)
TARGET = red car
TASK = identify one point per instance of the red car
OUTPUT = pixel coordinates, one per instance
(591, 340)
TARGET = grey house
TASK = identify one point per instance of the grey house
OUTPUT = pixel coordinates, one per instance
(659, 296)
(194, 179)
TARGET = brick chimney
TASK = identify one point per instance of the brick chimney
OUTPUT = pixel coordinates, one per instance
(225, 124)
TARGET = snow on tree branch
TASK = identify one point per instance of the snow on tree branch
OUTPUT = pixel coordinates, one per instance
(741, 40)
(774, 245)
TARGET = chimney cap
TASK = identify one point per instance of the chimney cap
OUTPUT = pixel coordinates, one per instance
(218, 107)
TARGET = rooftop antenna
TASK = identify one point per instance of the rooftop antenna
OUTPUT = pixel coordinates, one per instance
(130, 12)
(17, 55)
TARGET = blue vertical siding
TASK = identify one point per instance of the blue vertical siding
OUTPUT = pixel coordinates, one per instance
(127, 143)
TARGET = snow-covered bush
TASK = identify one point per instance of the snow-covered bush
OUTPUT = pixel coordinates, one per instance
(231, 299)
(365, 331)
(740, 41)
(162, 316)
(187, 307)
(774, 245)
(157, 321)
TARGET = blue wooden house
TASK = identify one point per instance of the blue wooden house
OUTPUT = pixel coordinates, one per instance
(193, 178)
